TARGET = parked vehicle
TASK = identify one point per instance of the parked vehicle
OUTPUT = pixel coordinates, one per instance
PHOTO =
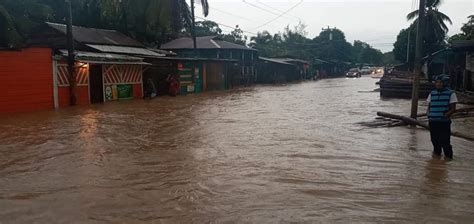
(366, 70)
(353, 73)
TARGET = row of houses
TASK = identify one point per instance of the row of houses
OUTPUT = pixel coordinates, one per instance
(461, 68)
(457, 61)
(112, 66)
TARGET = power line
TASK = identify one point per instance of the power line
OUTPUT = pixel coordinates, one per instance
(231, 14)
(234, 15)
(258, 7)
(279, 10)
(224, 25)
(383, 37)
(279, 16)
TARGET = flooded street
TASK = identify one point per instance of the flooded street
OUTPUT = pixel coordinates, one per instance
(265, 154)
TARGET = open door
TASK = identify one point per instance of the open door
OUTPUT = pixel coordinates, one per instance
(96, 84)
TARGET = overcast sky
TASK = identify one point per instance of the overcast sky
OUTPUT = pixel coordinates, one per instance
(374, 21)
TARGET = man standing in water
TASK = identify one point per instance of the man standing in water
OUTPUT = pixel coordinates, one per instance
(442, 104)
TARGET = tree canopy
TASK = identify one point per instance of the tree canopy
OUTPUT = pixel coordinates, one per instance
(156, 21)
(400, 47)
(467, 31)
(363, 53)
(329, 45)
(435, 26)
(149, 21)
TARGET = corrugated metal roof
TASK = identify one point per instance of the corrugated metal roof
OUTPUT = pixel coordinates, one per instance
(125, 50)
(115, 62)
(104, 58)
(164, 52)
(319, 61)
(274, 60)
(289, 60)
(97, 36)
(197, 59)
(207, 42)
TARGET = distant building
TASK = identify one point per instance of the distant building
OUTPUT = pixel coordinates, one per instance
(464, 71)
(211, 47)
(273, 70)
(302, 68)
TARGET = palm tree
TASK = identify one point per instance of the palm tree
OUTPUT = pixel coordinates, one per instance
(205, 7)
(435, 21)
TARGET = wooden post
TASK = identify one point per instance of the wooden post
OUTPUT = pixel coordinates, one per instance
(193, 29)
(415, 122)
(71, 57)
(466, 73)
(418, 61)
(193, 35)
(55, 84)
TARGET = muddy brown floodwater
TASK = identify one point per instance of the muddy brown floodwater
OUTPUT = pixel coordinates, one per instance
(266, 154)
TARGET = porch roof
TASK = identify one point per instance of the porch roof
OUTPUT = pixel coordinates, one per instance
(104, 58)
(125, 50)
(274, 60)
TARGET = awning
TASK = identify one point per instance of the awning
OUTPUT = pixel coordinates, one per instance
(114, 62)
(274, 60)
(125, 50)
(194, 59)
(319, 61)
(104, 58)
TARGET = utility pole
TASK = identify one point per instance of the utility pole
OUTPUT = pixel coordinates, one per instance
(408, 48)
(71, 56)
(193, 29)
(330, 38)
(418, 61)
(193, 35)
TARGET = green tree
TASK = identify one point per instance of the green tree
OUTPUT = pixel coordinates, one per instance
(400, 47)
(435, 25)
(149, 21)
(18, 17)
(467, 31)
(295, 42)
(331, 45)
(290, 43)
(468, 28)
(9, 36)
(236, 36)
(363, 53)
(389, 58)
(207, 28)
(264, 43)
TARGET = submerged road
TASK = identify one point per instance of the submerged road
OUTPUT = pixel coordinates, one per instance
(266, 154)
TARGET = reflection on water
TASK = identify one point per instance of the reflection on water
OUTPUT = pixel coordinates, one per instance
(286, 153)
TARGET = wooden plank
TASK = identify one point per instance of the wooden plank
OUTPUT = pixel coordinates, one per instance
(412, 121)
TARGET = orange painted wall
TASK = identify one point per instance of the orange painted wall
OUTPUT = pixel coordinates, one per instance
(137, 91)
(26, 80)
(82, 94)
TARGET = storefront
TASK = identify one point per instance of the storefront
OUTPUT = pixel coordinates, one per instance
(99, 78)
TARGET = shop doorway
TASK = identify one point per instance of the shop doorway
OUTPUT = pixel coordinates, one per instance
(96, 84)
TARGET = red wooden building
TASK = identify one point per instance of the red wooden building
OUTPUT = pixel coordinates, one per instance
(26, 80)
(109, 66)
